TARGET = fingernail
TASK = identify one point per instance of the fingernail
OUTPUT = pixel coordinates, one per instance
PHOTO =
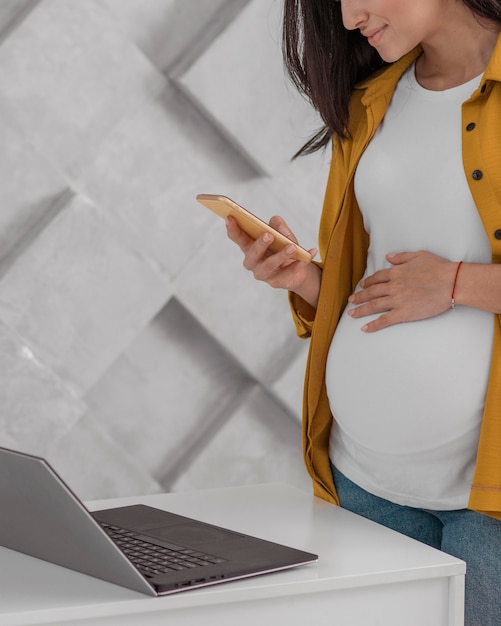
(290, 249)
(267, 238)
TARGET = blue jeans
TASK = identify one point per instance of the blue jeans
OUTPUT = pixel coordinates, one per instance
(465, 534)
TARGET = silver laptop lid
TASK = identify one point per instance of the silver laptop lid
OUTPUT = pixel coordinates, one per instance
(40, 516)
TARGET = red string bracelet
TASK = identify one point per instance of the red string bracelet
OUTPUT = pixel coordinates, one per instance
(453, 302)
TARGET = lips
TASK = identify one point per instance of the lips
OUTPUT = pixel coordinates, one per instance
(374, 35)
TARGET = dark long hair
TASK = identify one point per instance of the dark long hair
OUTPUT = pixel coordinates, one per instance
(325, 61)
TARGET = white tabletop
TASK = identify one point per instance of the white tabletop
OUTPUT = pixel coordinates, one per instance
(353, 553)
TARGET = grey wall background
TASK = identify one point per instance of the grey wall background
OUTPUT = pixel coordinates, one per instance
(136, 353)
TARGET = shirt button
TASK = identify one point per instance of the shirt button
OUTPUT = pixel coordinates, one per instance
(477, 174)
(471, 126)
(497, 233)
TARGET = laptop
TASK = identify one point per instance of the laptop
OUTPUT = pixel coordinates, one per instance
(140, 547)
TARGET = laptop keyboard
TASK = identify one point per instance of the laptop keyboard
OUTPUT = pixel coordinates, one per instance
(152, 559)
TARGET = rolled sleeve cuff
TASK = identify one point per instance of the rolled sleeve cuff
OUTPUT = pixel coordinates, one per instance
(303, 315)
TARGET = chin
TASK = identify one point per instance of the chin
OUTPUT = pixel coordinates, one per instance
(390, 56)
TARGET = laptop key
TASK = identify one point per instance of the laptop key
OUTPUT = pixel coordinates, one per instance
(152, 557)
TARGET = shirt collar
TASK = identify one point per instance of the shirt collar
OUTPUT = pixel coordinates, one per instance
(493, 70)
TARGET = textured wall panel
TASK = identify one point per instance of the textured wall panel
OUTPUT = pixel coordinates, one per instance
(96, 466)
(80, 295)
(259, 444)
(29, 188)
(137, 353)
(177, 375)
(146, 175)
(36, 407)
(85, 77)
(13, 11)
(251, 320)
(288, 383)
(234, 79)
(173, 32)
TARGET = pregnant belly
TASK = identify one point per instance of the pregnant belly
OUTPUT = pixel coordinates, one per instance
(410, 387)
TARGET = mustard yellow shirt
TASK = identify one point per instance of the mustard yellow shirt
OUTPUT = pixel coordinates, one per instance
(343, 245)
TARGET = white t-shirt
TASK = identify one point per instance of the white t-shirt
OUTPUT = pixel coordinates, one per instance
(408, 400)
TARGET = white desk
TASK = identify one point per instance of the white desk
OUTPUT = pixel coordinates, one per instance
(367, 575)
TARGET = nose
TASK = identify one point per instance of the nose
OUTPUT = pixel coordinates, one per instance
(354, 13)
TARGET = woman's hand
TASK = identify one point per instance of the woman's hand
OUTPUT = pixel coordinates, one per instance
(279, 269)
(417, 287)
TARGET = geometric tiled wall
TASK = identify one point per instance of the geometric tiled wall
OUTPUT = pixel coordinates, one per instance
(136, 353)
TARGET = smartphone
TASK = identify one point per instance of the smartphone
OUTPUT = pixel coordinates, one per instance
(248, 222)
